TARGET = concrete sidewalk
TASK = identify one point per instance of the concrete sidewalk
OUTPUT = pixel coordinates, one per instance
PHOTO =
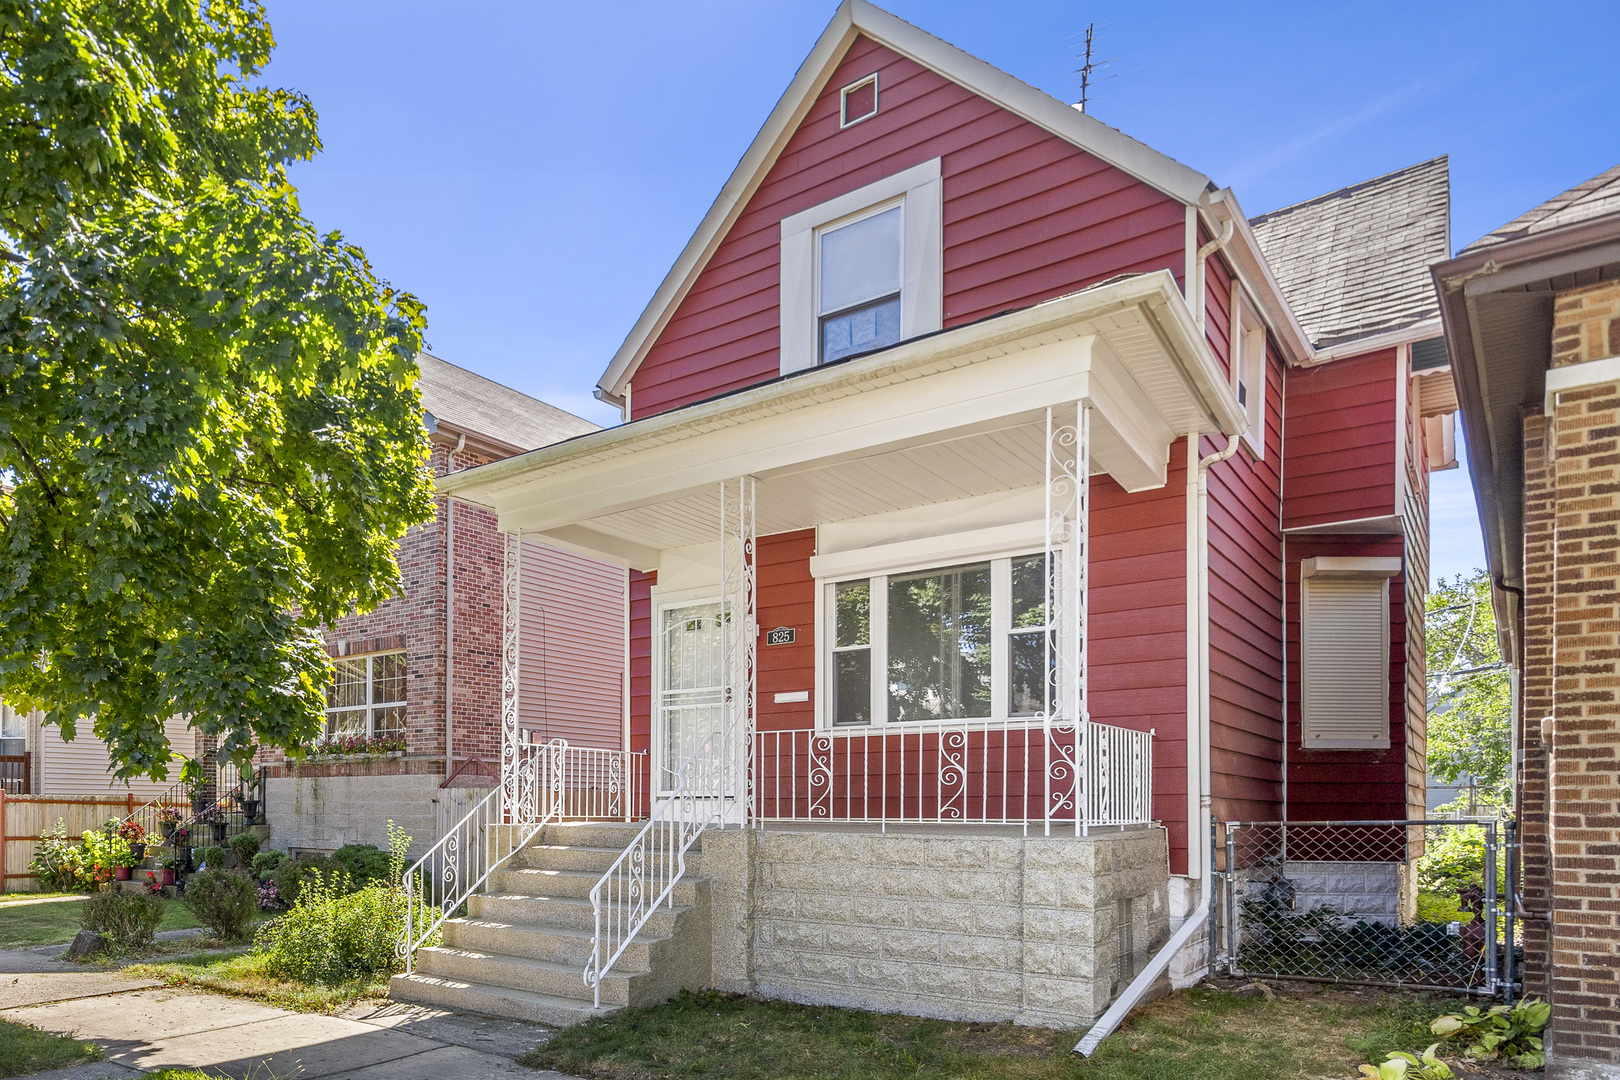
(144, 1028)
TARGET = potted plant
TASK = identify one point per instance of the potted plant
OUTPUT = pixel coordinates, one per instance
(134, 833)
(166, 869)
(168, 821)
(214, 818)
(248, 798)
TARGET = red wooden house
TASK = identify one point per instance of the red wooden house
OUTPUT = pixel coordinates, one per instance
(1002, 506)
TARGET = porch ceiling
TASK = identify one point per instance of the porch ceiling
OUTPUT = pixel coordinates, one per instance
(947, 417)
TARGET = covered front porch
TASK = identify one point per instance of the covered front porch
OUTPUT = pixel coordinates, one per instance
(923, 658)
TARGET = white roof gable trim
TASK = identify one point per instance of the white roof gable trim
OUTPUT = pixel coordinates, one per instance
(856, 17)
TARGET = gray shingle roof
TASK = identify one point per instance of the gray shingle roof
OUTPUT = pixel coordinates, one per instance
(1593, 198)
(482, 406)
(1354, 262)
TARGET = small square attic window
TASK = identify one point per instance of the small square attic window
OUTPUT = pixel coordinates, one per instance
(858, 101)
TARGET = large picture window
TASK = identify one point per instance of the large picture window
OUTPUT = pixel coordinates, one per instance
(367, 697)
(961, 642)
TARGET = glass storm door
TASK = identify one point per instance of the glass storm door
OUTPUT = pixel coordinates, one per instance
(691, 685)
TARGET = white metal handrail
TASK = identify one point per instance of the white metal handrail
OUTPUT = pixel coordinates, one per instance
(553, 782)
(974, 772)
(643, 878)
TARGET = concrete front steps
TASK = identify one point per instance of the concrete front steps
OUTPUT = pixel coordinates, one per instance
(521, 950)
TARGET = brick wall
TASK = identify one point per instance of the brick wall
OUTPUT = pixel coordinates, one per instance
(1573, 582)
(1536, 701)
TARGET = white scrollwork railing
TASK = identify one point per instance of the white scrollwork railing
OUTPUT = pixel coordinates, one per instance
(972, 772)
(643, 878)
(549, 782)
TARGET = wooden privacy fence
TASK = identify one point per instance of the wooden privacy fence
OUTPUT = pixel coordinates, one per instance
(26, 818)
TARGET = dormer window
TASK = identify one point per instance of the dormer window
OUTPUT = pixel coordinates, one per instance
(859, 284)
(864, 270)
(1247, 358)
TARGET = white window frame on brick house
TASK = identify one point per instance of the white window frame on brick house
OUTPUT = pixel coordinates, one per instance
(372, 704)
(1344, 652)
(1246, 352)
(922, 297)
(998, 547)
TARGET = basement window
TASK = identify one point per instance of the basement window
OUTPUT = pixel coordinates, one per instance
(367, 697)
(858, 101)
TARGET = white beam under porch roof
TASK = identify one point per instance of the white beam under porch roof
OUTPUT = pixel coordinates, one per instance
(950, 416)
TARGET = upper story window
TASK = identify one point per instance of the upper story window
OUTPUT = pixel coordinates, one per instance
(367, 697)
(1247, 352)
(859, 284)
(862, 271)
(858, 101)
(13, 724)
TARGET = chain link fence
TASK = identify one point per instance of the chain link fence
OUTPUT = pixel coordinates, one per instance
(1414, 904)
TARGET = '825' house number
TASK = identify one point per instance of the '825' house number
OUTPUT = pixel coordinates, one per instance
(781, 635)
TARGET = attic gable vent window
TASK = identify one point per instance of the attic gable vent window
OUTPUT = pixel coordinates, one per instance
(858, 101)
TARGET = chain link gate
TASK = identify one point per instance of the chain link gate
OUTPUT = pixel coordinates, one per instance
(1412, 904)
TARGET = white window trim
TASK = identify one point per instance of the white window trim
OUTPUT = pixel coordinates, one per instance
(922, 259)
(1245, 345)
(844, 120)
(1364, 568)
(879, 571)
(369, 705)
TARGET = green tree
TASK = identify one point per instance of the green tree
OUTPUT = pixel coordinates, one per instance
(210, 436)
(1470, 700)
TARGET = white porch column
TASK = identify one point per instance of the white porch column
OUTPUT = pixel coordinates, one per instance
(511, 624)
(739, 640)
(1068, 485)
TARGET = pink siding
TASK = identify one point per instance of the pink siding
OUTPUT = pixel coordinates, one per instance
(1027, 217)
(572, 643)
(1341, 441)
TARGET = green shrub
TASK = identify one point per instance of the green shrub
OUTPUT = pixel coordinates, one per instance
(265, 863)
(331, 935)
(293, 874)
(62, 865)
(245, 846)
(223, 901)
(1454, 859)
(126, 919)
(365, 864)
(1403, 1066)
(212, 857)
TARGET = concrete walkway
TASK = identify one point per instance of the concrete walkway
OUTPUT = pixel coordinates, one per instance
(144, 1027)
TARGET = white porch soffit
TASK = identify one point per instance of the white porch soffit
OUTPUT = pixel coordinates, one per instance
(949, 416)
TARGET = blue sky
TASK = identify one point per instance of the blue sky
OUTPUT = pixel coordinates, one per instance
(531, 169)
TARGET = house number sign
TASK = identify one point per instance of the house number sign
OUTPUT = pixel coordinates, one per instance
(781, 635)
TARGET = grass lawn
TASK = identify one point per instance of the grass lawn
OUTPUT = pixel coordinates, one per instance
(51, 924)
(13, 897)
(241, 973)
(25, 1050)
(1197, 1034)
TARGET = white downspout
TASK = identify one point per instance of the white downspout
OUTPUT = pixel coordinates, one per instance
(1198, 722)
(1201, 308)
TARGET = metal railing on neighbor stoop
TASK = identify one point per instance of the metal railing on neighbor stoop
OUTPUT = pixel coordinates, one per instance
(643, 878)
(553, 782)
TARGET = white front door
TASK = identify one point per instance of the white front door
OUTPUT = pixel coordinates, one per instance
(691, 684)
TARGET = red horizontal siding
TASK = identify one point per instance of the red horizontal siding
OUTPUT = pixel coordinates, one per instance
(1027, 217)
(787, 597)
(641, 671)
(1137, 655)
(1337, 785)
(1340, 453)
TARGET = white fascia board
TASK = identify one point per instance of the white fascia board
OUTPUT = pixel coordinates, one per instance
(1561, 380)
(1243, 251)
(1153, 296)
(1390, 339)
(858, 17)
(994, 541)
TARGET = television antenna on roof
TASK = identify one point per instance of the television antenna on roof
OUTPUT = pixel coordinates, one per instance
(1089, 67)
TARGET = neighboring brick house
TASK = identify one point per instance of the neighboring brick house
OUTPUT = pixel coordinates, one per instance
(1001, 507)
(425, 667)
(1532, 319)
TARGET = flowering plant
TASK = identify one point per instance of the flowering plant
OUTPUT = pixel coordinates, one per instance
(133, 831)
(168, 815)
(359, 744)
(269, 896)
(211, 816)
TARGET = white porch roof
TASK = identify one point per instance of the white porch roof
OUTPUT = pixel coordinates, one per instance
(949, 416)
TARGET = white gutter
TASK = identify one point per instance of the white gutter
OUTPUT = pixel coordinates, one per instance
(1198, 721)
